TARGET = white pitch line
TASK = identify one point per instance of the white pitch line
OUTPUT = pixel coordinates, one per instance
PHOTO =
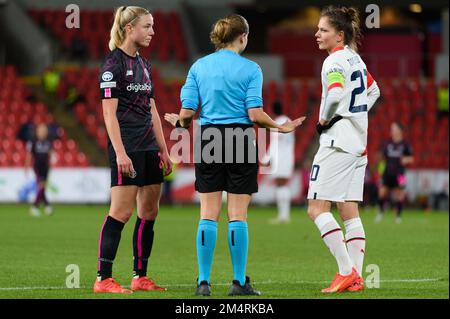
(226, 284)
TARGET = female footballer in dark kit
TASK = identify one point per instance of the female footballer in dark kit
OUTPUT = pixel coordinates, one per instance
(137, 150)
(228, 88)
(40, 151)
(397, 154)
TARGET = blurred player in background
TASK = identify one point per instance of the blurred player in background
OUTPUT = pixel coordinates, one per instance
(337, 174)
(397, 154)
(40, 152)
(280, 157)
(229, 89)
(137, 149)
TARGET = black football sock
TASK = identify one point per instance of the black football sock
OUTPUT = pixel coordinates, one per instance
(142, 245)
(108, 244)
(44, 197)
(39, 195)
(399, 208)
(381, 204)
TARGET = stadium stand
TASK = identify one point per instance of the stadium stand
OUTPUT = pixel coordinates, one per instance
(95, 24)
(16, 110)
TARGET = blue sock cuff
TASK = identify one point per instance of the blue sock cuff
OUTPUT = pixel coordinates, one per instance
(208, 223)
(237, 225)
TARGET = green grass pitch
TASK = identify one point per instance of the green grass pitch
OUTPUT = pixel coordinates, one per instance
(285, 261)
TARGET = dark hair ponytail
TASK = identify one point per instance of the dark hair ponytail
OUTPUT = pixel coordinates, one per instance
(345, 19)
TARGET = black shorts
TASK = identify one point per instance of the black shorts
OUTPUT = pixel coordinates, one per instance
(236, 173)
(394, 180)
(147, 165)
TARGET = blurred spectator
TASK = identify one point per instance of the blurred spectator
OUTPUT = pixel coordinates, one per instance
(26, 131)
(53, 128)
(50, 80)
(443, 99)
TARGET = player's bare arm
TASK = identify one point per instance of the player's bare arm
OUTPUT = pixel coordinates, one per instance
(112, 126)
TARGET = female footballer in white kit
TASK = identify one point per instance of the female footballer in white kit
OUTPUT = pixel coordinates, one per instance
(280, 157)
(337, 174)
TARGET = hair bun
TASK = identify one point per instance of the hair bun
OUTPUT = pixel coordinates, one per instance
(352, 14)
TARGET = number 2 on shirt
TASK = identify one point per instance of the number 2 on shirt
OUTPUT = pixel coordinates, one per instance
(354, 77)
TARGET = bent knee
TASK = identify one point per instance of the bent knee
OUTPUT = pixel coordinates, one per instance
(149, 212)
(313, 212)
(123, 217)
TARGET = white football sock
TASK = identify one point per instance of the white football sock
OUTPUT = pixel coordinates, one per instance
(356, 242)
(334, 239)
(283, 195)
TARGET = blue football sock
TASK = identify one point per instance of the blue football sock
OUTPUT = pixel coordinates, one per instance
(206, 242)
(238, 243)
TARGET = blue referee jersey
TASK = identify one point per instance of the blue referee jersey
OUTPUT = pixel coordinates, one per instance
(225, 85)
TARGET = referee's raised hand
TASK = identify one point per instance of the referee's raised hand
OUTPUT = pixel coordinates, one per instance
(125, 164)
(172, 118)
(289, 126)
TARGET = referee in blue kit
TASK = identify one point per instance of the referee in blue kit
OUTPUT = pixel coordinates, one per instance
(228, 89)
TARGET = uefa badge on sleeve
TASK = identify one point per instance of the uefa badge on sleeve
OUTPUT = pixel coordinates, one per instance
(107, 76)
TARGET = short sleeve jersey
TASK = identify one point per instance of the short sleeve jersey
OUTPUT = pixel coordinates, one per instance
(225, 85)
(393, 153)
(345, 68)
(40, 149)
(129, 79)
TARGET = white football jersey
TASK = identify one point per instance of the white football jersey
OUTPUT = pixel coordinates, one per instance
(350, 133)
(281, 150)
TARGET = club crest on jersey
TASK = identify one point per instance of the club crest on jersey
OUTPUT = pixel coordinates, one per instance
(107, 76)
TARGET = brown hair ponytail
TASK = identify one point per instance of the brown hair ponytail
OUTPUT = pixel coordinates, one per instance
(346, 20)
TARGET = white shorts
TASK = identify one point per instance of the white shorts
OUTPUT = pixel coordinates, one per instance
(337, 176)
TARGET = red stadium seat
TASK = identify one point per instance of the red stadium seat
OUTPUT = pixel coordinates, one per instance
(69, 160)
(71, 145)
(81, 160)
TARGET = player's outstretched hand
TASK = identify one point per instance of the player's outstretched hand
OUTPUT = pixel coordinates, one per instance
(264, 164)
(172, 118)
(289, 126)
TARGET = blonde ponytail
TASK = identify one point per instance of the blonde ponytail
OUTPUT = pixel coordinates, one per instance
(122, 17)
